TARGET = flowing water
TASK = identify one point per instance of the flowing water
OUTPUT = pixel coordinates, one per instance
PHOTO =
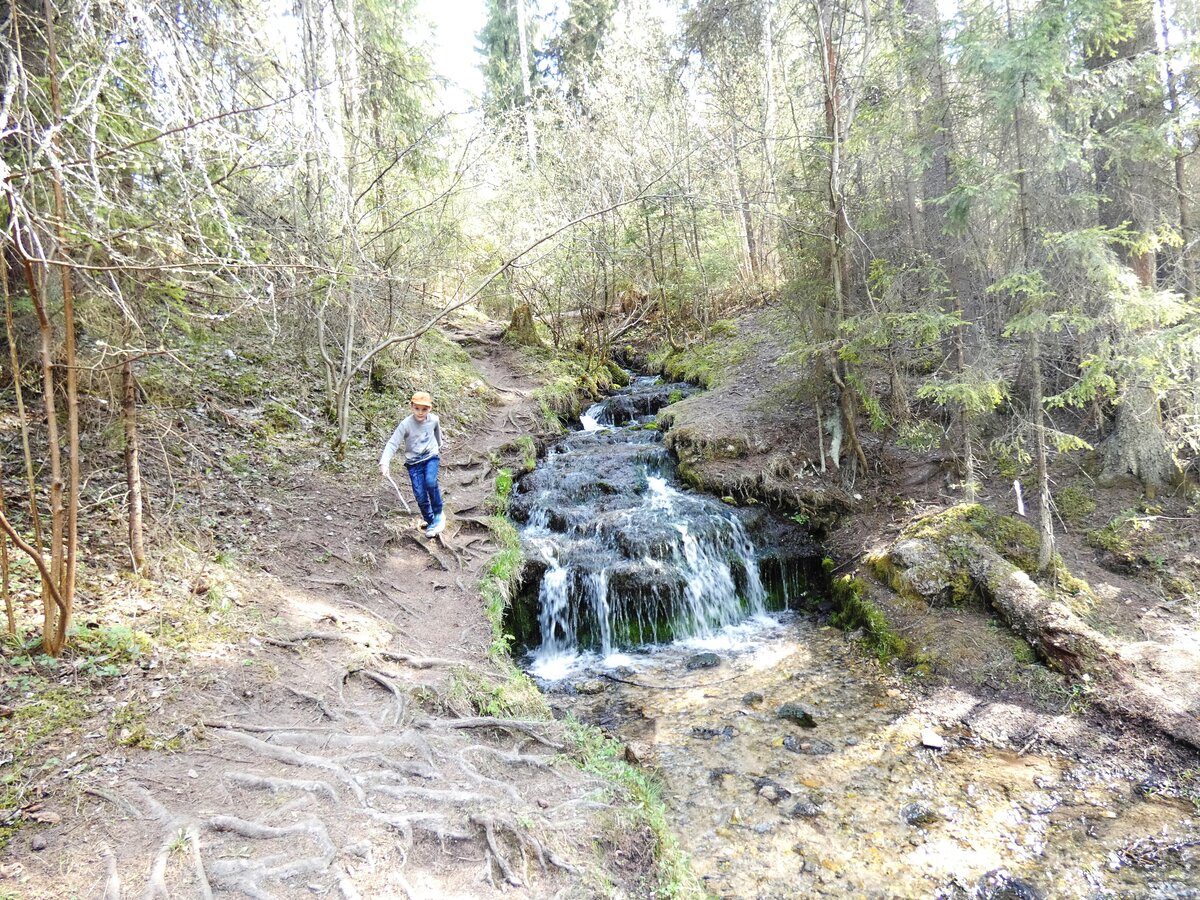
(793, 765)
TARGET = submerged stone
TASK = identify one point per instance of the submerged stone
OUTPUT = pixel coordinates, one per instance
(771, 791)
(919, 814)
(752, 699)
(811, 747)
(999, 884)
(706, 732)
(797, 714)
(805, 809)
(703, 661)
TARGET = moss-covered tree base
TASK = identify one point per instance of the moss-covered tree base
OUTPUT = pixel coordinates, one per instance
(969, 553)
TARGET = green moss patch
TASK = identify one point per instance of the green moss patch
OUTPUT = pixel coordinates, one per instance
(854, 611)
(710, 363)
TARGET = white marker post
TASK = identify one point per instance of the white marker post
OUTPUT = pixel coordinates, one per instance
(1020, 499)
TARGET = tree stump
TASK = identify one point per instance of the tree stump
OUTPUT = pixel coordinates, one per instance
(522, 330)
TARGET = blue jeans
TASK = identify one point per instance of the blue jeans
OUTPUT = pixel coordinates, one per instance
(424, 475)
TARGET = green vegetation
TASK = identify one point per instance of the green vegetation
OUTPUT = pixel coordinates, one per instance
(42, 713)
(854, 611)
(707, 363)
(1127, 536)
(1074, 504)
(500, 578)
(512, 696)
(600, 755)
(502, 493)
(127, 728)
(570, 379)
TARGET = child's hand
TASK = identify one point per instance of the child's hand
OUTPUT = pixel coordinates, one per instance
(384, 470)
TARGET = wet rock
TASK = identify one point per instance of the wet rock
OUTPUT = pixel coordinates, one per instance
(702, 661)
(753, 699)
(918, 814)
(805, 809)
(999, 884)
(810, 747)
(716, 776)
(763, 828)
(852, 741)
(1039, 803)
(707, 733)
(637, 753)
(771, 791)
(797, 715)
(931, 739)
(588, 688)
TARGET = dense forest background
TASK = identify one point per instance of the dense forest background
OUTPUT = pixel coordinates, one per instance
(977, 219)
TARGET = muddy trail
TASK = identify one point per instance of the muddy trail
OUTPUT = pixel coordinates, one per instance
(337, 749)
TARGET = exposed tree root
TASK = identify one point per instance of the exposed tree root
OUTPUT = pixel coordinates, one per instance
(399, 697)
(300, 639)
(247, 875)
(421, 662)
(331, 714)
(275, 785)
(533, 729)
(193, 835)
(358, 786)
(112, 882)
(291, 757)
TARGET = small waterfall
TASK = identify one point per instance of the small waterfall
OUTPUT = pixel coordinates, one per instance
(626, 558)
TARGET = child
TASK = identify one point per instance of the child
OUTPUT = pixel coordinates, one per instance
(421, 435)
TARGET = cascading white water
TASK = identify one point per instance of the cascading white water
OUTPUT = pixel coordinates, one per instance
(630, 560)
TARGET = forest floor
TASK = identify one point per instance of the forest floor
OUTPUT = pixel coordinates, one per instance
(340, 726)
(346, 730)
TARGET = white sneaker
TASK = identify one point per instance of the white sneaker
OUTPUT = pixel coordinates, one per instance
(438, 526)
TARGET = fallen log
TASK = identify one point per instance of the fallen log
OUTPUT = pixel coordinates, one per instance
(945, 558)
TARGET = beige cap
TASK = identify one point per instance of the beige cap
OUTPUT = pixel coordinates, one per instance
(420, 398)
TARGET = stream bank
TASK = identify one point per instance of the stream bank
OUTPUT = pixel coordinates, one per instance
(793, 762)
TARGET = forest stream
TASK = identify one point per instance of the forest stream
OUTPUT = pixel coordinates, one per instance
(792, 764)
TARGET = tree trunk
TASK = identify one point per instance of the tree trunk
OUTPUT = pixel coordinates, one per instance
(1061, 638)
(937, 181)
(1187, 266)
(1138, 445)
(522, 330)
(523, 38)
(55, 642)
(133, 471)
(5, 586)
(1037, 408)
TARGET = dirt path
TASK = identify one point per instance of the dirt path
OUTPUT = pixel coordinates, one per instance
(336, 748)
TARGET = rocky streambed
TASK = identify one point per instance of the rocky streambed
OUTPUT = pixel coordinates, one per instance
(793, 764)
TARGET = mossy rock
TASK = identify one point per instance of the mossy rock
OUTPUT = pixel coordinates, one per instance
(617, 374)
(1016, 541)
(854, 611)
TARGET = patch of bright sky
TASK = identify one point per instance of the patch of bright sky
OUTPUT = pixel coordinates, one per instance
(454, 46)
